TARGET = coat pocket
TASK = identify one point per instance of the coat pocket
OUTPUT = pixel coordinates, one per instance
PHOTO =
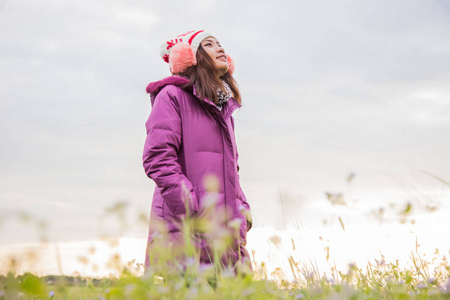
(185, 204)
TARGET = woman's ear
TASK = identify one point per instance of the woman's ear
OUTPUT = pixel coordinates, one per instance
(230, 62)
(181, 57)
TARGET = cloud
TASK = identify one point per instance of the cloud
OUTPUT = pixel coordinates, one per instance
(328, 88)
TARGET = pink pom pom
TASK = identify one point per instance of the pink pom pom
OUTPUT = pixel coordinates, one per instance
(181, 57)
(230, 62)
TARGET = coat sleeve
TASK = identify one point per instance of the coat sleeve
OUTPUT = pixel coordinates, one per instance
(248, 214)
(160, 156)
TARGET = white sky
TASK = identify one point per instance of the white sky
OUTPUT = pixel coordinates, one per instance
(329, 88)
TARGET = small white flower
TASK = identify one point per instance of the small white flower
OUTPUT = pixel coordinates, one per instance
(193, 291)
(190, 261)
(210, 200)
(206, 267)
(228, 273)
(421, 285)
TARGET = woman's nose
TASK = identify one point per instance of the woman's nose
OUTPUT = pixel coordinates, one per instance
(220, 49)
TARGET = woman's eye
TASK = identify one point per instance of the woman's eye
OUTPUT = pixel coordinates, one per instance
(209, 44)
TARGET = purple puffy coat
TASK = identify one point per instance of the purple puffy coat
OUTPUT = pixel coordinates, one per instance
(186, 141)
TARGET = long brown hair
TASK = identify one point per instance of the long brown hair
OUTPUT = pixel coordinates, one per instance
(206, 83)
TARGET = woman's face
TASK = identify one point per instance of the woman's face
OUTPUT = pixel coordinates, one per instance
(215, 51)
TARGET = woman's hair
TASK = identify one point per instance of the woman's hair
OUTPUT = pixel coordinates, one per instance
(206, 84)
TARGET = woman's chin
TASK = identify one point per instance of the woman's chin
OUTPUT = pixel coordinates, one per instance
(221, 70)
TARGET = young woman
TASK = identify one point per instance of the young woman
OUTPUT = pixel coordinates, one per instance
(190, 150)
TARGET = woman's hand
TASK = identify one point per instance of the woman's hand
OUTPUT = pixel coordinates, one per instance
(248, 216)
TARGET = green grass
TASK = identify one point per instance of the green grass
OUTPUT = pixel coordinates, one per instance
(176, 274)
(380, 280)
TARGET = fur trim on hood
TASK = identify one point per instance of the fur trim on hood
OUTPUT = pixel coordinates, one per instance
(154, 88)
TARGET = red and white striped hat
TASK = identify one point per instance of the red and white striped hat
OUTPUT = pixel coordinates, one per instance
(180, 52)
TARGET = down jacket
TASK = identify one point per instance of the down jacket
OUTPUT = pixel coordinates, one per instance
(186, 141)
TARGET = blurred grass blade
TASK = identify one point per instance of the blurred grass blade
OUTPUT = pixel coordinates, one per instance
(342, 223)
(437, 178)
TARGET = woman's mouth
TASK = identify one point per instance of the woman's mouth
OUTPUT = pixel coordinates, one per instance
(222, 58)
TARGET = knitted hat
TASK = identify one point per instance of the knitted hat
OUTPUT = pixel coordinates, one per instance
(180, 52)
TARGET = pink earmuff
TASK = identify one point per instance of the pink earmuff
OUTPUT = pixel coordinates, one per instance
(230, 62)
(181, 57)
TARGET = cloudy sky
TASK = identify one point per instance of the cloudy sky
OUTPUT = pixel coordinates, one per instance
(329, 88)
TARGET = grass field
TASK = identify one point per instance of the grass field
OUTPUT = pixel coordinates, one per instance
(176, 274)
(381, 280)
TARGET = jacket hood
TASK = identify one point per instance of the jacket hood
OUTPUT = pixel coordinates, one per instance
(154, 88)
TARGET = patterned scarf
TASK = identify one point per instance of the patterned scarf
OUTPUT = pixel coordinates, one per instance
(223, 97)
